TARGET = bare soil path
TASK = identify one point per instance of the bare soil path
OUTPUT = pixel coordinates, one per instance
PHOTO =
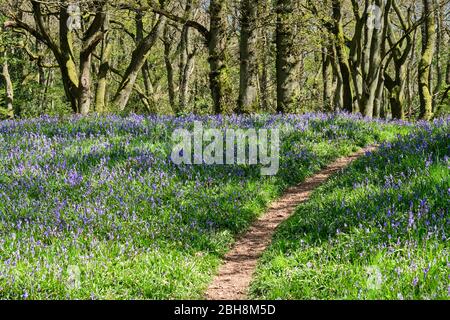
(233, 278)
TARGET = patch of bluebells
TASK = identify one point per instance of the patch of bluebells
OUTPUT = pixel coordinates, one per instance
(72, 189)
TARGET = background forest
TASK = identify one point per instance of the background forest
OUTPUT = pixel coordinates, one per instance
(381, 58)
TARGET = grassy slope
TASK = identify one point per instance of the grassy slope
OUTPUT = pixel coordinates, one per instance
(379, 230)
(98, 197)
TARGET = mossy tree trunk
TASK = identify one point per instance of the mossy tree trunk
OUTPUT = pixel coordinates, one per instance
(428, 41)
(378, 97)
(216, 48)
(9, 90)
(168, 42)
(287, 59)
(342, 57)
(248, 90)
(101, 101)
(185, 62)
(66, 58)
(327, 90)
(337, 79)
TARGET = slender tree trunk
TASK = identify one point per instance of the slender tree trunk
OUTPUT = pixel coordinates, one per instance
(186, 73)
(326, 94)
(216, 48)
(41, 71)
(344, 68)
(378, 97)
(169, 68)
(102, 82)
(428, 41)
(248, 90)
(145, 68)
(41, 74)
(359, 55)
(383, 107)
(66, 60)
(287, 59)
(409, 70)
(338, 100)
(9, 98)
(264, 54)
(85, 83)
(398, 93)
(264, 76)
(438, 65)
(183, 84)
(148, 86)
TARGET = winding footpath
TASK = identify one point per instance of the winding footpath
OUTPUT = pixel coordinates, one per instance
(235, 274)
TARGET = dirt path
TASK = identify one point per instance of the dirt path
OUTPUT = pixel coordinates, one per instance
(234, 276)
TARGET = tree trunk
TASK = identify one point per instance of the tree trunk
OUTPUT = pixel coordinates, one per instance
(264, 75)
(359, 55)
(41, 71)
(66, 60)
(438, 65)
(148, 88)
(264, 55)
(84, 88)
(186, 72)
(338, 101)
(326, 93)
(447, 73)
(216, 49)
(396, 95)
(409, 70)
(102, 82)
(248, 57)
(183, 61)
(287, 59)
(378, 97)
(9, 99)
(428, 38)
(169, 68)
(344, 68)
